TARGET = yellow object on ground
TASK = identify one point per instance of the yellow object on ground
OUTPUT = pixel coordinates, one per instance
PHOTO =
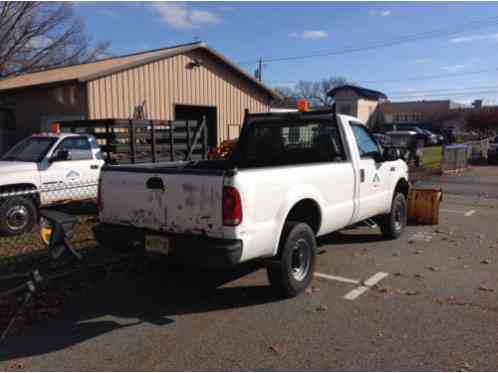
(423, 205)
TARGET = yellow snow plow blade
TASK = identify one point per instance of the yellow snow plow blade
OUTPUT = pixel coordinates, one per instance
(423, 205)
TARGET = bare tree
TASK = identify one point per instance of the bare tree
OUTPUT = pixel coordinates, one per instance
(289, 98)
(315, 92)
(40, 35)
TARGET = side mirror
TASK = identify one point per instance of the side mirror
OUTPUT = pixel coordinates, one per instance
(62, 155)
(391, 154)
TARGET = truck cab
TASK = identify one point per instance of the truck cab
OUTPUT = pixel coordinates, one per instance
(46, 169)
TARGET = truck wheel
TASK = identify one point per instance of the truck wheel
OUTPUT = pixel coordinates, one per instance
(393, 224)
(294, 271)
(17, 215)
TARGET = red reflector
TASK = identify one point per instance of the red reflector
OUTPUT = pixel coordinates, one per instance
(232, 206)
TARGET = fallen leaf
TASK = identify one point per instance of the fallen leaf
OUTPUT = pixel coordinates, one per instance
(418, 275)
(411, 292)
(278, 348)
(432, 268)
(398, 274)
(322, 308)
(416, 252)
(387, 290)
(465, 366)
(485, 288)
(486, 261)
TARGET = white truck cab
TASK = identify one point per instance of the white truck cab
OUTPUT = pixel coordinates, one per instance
(46, 169)
(293, 177)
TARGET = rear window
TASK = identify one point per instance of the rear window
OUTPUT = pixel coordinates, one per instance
(271, 144)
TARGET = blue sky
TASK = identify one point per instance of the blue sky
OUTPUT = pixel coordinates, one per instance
(462, 60)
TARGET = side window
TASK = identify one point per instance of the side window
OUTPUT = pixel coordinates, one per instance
(79, 147)
(366, 143)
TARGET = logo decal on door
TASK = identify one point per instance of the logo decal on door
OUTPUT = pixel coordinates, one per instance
(72, 175)
(376, 179)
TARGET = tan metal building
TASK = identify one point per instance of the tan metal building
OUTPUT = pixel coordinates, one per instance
(182, 82)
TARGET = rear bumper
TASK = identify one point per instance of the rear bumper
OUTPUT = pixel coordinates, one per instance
(210, 252)
(193, 249)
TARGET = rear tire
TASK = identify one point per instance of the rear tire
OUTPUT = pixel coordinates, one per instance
(297, 254)
(17, 215)
(393, 224)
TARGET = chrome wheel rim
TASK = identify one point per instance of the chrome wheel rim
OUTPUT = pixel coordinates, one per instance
(399, 218)
(301, 259)
(17, 217)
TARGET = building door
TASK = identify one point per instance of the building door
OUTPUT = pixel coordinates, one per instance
(193, 112)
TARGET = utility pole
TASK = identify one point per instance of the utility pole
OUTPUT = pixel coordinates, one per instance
(260, 69)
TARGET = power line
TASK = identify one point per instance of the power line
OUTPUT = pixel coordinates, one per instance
(445, 94)
(477, 24)
(445, 90)
(430, 77)
(416, 78)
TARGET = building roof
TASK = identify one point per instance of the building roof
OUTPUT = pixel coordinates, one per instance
(360, 91)
(94, 70)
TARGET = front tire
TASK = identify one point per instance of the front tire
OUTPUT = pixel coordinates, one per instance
(297, 254)
(17, 215)
(393, 224)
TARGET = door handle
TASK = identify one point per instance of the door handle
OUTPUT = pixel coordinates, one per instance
(155, 183)
(94, 166)
(393, 169)
(362, 175)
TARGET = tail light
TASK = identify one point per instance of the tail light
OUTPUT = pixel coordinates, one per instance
(232, 206)
(100, 204)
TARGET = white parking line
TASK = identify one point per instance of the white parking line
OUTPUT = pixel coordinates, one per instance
(464, 213)
(336, 278)
(355, 293)
(367, 284)
(470, 213)
(452, 211)
(375, 279)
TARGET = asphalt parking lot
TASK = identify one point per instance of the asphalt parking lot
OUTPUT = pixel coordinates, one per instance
(428, 301)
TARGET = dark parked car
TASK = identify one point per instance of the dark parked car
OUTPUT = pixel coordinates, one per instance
(382, 139)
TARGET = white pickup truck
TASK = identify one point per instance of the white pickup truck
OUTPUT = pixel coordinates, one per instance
(43, 170)
(292, 177)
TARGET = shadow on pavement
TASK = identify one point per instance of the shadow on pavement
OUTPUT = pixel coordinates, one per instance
(156, 296)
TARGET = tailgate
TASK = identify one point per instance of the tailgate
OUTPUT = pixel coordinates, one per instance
(174, 203)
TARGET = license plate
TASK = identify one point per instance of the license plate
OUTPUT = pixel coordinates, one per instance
(157, 244)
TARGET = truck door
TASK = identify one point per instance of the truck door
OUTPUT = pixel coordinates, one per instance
(374, 177)
(74, 178)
